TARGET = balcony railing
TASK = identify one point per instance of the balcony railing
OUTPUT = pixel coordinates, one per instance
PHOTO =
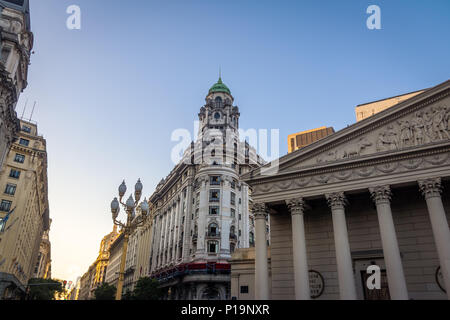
(213, 234)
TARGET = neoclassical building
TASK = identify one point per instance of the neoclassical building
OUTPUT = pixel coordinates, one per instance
(200, 211)
(374, 193)
(16, 42)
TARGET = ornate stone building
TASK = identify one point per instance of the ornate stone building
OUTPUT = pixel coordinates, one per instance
(96, 274)
(200, 210)
(16, 44)
(374, 193)
(43, 268)
(24, 209)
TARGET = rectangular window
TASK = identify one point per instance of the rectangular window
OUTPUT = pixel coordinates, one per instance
(212, 246)
(233, 213)
(19, 158)
(5, 205)
(233, 198)
(24, 142)
(214, 195)
(240, 216)
(233, 184)
(214, 180)
(26, 129)
(14, 174)
(240, 233)
(214, 210)
(10, 189)
(244, 289)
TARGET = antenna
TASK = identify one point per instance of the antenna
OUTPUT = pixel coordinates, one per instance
(32, 110)
(24, 108)
(220, 72)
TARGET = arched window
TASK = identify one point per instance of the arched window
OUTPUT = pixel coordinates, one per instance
(218, 101)
(213, 229)
(251, 239)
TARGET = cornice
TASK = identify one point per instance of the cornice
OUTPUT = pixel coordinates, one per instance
(360, 128)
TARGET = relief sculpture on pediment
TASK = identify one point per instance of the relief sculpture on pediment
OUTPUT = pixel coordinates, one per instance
(422, 127)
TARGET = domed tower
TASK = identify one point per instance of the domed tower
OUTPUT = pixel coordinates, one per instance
(219, 112)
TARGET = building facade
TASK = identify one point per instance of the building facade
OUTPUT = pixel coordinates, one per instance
(374, 194)
(43, 268)
(115, 256)
(96, 274)
(16, 44)
(302, 139)
(24, 209)
(200, 210)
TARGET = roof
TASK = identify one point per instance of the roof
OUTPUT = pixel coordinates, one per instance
(219, 87)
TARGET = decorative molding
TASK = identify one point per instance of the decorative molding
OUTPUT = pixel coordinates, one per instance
(430, 187)
(260, 210)
(296, 206)
(336, 200)
(381, 194)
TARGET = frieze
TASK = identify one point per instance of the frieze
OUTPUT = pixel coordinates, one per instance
(423, 127)
(399, 165)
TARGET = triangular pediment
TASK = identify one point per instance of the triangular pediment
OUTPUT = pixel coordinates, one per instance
(420, 122)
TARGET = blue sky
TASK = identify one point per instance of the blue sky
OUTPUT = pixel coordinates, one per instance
(110, 95)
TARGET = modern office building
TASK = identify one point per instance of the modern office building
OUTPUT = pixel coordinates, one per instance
(302, 139)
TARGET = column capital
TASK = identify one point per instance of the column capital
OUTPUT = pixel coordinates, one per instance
(381, 194)
(430, 187)
(260, 210)
(296, 205)
(336, 200)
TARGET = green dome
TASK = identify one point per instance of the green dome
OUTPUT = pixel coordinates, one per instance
(219, 87)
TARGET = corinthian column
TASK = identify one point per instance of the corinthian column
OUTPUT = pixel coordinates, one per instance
(301, 274)
(396, 279)
(431, 189)
(347, 290)
(261, 264)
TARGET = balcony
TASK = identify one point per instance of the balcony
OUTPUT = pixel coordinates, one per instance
(213, 234)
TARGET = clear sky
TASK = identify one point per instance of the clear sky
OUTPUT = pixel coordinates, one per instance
(110, 95)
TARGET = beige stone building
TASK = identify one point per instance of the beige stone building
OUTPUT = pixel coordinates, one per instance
(16, 44)
(372, 196)
(24, 209)
(96, 274)
(43, 268)
(115, 255)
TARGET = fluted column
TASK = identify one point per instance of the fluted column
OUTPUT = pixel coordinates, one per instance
(381, 195)
(347, 289)
(261, 263)
(301, 274)
(431, 189)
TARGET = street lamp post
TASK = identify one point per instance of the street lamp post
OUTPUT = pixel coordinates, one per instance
(132, 223)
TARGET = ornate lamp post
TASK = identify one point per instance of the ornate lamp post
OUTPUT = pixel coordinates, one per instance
(131, 224)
